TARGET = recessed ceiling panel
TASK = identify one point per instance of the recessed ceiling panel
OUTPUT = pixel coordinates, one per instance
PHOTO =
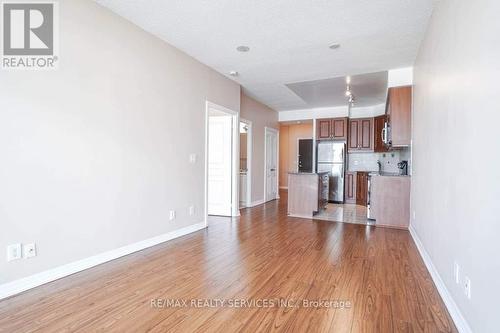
(368, 89)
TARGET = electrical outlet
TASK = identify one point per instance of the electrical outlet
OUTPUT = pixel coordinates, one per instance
(467, 287)
(192, 158)
(172, 215)
(191, 210)
(29, 250)
(14, 252)
(456, 273)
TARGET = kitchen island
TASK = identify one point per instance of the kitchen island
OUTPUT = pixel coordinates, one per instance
(307, 193)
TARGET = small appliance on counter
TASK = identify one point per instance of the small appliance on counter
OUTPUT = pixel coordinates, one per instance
(403, 168)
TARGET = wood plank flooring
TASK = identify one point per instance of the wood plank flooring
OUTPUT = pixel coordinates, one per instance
(263, 256)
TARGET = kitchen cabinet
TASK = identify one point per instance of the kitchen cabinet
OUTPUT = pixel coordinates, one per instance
(350, 187)
(331, 129)
(378, 129)
(398, 110)
(362, 188)
(356, 188)
(360, 136)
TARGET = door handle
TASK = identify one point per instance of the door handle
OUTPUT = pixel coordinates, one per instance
(272, 170)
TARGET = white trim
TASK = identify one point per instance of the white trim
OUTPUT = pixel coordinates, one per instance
(308, 217)
(236, 157)
(400, 77)
(277, 132)
(257, 203)
(249, 160)
(456, 315)
(331, 112)
(20, 285)
(314, 145)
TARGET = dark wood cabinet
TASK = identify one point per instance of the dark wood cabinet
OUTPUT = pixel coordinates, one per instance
(360, 137)
(356, 188)
(350, 187)
(399, 104)
(324, 129)
(362, 188)
(378, 129)
(331, 129)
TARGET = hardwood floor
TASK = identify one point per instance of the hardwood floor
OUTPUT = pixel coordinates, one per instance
(262, 256)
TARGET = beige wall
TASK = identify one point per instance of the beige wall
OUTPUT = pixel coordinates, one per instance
(455, 189)
(96, 153)
(261, 117)
(289, 134)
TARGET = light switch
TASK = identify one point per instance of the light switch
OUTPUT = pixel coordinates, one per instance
(14, 252)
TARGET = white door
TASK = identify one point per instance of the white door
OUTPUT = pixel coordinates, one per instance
(271, 165)
(219, 165)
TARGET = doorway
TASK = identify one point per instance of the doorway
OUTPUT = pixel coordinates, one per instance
(305, 155)
(245, 163)
(221, 162)
(271, 164)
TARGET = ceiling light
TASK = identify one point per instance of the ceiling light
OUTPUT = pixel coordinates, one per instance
(348, 91)
(243, 48)
(234, 73)
(334, 46)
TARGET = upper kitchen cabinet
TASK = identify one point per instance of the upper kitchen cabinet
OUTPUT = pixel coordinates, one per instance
(360, 135)
(331, 129)
(379, 127)
(399, 103)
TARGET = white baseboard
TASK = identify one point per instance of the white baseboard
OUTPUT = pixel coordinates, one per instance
(23, 284)
(456, 315)
(256, 203)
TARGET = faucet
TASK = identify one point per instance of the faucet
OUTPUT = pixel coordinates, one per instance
(379, 167)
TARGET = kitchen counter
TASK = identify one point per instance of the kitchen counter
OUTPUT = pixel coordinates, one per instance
(307, 173)
(307, 193)
(383, 173)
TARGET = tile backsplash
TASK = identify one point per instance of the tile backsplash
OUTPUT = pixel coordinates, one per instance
(368, 161)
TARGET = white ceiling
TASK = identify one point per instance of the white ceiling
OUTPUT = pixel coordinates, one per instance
(288, 40)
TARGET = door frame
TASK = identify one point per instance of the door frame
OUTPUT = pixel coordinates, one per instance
(235, 164)
(249, 160)
(277, 132)
(297, 156)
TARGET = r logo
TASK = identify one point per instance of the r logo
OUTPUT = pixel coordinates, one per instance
(28, 29)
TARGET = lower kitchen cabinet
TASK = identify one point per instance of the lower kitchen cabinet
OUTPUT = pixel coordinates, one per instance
(350, 187)
(362, 188)
(356, 188)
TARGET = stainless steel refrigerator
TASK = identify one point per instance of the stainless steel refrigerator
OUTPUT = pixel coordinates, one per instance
(331, 158)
